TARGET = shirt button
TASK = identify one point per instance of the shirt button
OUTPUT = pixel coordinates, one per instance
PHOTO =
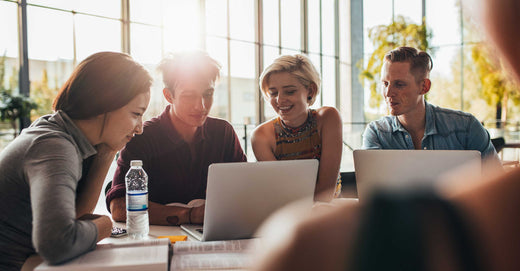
(425, 148)
(406, 136)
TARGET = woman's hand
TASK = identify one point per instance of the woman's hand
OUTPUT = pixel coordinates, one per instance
(105, 152)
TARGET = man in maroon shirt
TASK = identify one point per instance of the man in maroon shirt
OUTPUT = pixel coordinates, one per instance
(178, 146)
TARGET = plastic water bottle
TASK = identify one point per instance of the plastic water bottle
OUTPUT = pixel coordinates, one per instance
(137, 224)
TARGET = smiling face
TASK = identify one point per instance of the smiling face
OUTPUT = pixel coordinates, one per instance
(403, 94)
(122, 124)
(288, 97)
(191, 102)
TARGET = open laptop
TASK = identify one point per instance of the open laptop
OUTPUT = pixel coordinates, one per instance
(410, 169)
(240, 196)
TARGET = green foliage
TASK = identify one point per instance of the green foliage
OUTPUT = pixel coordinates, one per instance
(385, 38)
(13, 107)
(43, 95)
(496, 87)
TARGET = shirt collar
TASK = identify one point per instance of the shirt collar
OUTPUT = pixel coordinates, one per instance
(430, 127)
(172, 133)
(85, 147)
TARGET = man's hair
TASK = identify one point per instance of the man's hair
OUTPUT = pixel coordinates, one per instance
(194, 65)
(299, 66)
(421, 62)
(102, 83)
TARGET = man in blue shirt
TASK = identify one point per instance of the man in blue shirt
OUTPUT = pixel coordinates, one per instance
(414, 123)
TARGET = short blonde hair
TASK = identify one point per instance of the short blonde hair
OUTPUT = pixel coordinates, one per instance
(176, 67)
(297, 65)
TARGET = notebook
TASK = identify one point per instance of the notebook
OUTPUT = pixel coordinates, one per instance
(410, 169)
(240, 196)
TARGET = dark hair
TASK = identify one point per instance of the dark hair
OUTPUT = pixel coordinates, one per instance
(176, 67)
(102, 83)
(421, 62)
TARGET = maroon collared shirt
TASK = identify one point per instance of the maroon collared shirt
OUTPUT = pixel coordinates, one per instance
(174, 174)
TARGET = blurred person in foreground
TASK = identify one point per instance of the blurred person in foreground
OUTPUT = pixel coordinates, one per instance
(463, 225)
(53, 172)
(178, 146)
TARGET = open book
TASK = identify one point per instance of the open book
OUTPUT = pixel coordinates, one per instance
(215, 255)
(148, 254)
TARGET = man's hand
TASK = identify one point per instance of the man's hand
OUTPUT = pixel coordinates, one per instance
(197, 214)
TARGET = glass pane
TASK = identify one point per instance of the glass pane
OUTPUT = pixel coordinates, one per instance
(291, 24)
(290, 51)
(216, 17)
(97, 7)
(473, 97)
(329, 81)
(270, 54)
(145, 43)
(443, 18)
(344, 31)
(146, 11)
(62, 4)
(328, 27)
(47, 77)
(217, 49)
(242, 20)
(9, 29)
(314, 26)
(270, 21)
(445, 76)
(242, 59)
(182, 26)
(316, 61)
(49, 34)
(243, 83)
(410, 9)
(373, 17)
(90, 40)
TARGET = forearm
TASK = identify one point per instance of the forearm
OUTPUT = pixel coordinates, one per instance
(90, 188)
(158, 214)
(325, 187)
(103, 225)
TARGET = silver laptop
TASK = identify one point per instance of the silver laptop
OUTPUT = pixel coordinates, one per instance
(410, 169)
(240, 196)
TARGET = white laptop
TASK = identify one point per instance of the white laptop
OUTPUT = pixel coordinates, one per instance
(240, 196)
(410, 169)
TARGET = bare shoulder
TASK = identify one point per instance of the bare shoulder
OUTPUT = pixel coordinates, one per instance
(328, 116)
(263, 131)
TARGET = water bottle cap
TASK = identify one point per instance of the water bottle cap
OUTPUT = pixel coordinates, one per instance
(136, 163)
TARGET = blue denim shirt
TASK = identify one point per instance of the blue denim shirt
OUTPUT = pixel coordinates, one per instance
(445, 129)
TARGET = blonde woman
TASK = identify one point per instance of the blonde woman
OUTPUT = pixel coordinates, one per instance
(290, 84)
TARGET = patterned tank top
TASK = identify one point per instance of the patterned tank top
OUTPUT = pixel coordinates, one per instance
(303, 142)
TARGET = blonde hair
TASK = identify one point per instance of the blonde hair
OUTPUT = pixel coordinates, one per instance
(176, 67)
(297, 65)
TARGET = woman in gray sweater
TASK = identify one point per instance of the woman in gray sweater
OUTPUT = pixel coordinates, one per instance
(52, 174)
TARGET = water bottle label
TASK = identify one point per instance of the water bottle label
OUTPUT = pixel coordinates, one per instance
(137, 202)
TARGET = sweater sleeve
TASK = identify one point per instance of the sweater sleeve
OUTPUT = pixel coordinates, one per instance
(53, 168)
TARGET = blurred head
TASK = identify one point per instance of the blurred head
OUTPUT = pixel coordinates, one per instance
(189, 79)
(298, 66)
(404, 80)
(102, 83)
(111, 89)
